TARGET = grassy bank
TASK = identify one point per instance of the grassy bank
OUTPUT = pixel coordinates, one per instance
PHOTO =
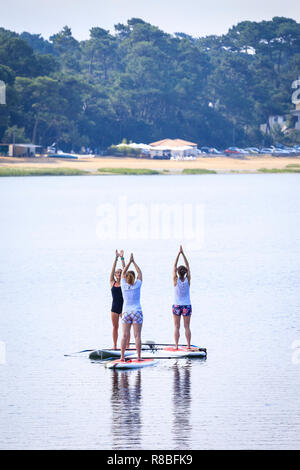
(287, 169)
(120, 166)
(293, 165)
(128, 171)
(111, 166)
(198, 171)
(9, 171)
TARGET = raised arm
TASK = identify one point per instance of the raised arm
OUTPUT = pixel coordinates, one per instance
(122, 258)
(175, 277)
(186, 265)
(139, 272)
(112, 274)
(125, 269)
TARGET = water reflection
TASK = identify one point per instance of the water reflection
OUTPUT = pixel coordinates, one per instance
(126, 409)
(182, 427)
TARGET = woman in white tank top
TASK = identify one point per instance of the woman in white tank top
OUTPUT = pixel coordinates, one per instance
(132, 310)
(182, 302)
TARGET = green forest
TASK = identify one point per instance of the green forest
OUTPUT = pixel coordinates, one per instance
(142, 84)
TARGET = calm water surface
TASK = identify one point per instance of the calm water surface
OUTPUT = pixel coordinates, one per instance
(55, 299)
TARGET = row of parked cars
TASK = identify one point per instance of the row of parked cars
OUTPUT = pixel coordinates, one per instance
(274, 150)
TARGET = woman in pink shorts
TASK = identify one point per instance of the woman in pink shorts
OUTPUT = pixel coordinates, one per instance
(132, 310)
(182, 302)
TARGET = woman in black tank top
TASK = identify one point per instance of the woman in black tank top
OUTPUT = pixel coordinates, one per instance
(117, 302)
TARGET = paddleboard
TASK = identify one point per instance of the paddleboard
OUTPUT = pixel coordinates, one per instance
(168, 352)
(193, 351)
(130, 364)
(110, 353)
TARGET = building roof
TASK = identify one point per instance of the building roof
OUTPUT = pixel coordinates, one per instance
(25, 145)
(171, 143)
(166, 147)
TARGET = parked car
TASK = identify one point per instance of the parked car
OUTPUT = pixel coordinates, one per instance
(266, 150)
(291, 150)
(284, 149)
(205, 150)
(215, 151)
(233, 150)
(281, 151)
(252, 150)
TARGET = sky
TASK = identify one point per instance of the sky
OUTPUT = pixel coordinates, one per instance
(194, 17)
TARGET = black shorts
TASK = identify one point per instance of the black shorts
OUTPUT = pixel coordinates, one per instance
(117, 308)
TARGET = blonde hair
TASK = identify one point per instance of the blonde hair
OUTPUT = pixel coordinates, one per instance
(130, 277)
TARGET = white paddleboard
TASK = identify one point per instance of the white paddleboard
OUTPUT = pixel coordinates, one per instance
(193, 351)
(130, 364)
(167, 352)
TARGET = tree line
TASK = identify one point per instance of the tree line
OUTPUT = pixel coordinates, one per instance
(142, 84)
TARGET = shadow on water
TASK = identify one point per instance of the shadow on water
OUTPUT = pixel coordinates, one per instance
(126, 422)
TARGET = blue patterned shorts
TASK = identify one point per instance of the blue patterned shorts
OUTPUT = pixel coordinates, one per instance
(184, 310)
(133, 317)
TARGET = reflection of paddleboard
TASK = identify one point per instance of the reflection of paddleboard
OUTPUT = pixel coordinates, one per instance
(130, 364)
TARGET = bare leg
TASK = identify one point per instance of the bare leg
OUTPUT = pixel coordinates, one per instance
(176, 329)
(126, 334)
(137, 328)
(128, 341)
(115, 324)
(186, 320)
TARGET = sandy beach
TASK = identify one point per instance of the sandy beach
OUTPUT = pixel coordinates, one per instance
(246, 164)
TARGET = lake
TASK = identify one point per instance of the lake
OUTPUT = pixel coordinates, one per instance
(242, 237)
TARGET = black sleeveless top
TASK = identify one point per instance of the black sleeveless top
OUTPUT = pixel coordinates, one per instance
(117, 303)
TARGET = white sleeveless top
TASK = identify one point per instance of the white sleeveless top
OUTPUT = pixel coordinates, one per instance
(131, 296)
(182, 292)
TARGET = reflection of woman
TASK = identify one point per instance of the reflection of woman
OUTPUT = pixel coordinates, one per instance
(132, 315)
(126, 422)
(116, 292)
(182, 404)
(182, 302)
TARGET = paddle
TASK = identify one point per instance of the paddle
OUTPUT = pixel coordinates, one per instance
(79, 352)
(91, 350)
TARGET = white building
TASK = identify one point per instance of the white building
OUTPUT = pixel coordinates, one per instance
(176, 148)
(294, 114)
(22, 150)
(296, 101)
